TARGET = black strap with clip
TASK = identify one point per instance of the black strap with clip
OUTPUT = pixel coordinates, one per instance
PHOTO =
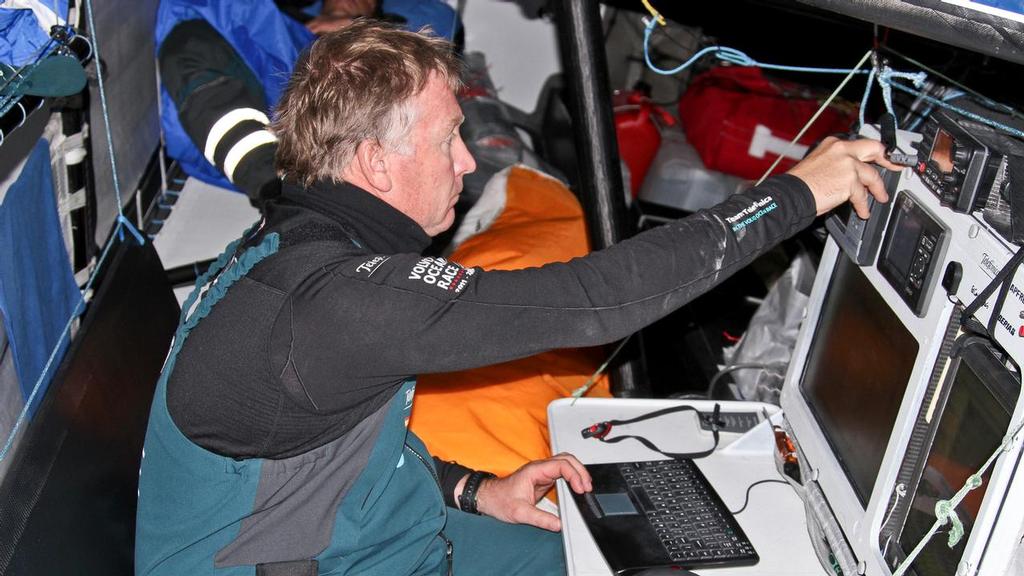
(887, 128)
(600, 431)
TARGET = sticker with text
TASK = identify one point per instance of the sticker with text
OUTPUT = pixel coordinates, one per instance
(751, 213)
(439, 272)
(371, 265)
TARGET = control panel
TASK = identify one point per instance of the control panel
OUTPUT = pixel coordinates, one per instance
(976, 251)
(913, 247)
(860, 238)
(956, 163)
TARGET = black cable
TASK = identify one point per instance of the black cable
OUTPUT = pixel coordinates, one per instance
(746, 499)
(1001, 281)
(778, 367)
(600, 431)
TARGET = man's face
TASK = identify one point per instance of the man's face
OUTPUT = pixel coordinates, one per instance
(426, 175)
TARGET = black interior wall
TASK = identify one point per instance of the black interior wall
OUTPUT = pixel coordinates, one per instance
(67, 503)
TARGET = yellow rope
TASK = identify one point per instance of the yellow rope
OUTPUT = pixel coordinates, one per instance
(655, 13)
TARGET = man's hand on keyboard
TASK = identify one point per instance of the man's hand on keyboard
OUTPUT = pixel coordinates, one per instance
(514, 498)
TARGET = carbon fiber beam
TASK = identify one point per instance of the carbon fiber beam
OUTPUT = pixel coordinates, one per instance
(600, 186)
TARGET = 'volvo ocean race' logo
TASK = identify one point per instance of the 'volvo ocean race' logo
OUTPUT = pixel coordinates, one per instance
(437, 271)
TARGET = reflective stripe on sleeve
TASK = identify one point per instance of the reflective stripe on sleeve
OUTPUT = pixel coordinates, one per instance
(243, 147)
(224, 125)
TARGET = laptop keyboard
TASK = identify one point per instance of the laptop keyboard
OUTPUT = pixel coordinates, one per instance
(689, 518)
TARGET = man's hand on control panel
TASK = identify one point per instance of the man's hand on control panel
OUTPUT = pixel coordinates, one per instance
(838, 171)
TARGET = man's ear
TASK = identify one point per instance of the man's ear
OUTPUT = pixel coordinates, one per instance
(372, 165)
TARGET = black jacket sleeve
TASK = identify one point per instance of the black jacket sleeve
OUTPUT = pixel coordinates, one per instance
(449, 474)
(212, 87)
(359, 325)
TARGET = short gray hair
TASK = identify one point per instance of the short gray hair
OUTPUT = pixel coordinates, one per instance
(354, 85)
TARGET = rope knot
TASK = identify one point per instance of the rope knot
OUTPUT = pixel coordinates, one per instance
(657, 15)
(123, 224)
(886, 75)
(734, 56)
(944, 510)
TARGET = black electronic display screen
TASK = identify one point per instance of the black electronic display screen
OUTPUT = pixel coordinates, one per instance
(942, 151)
(856, 373)
(971, 427)
(900, 250)
(912, 252)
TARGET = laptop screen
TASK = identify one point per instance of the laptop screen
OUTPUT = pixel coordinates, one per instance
(857, 370)
(971, 426)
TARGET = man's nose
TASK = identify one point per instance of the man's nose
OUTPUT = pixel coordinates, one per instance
(465, 164)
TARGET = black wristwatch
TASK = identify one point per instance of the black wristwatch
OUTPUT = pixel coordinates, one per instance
(467, 500)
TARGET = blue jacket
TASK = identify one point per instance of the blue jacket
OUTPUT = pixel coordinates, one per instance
(270, 43)
(267, 40)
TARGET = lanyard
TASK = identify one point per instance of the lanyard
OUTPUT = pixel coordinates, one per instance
(600, 431)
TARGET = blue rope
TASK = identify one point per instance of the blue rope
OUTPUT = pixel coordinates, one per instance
(952, 95)
(885, 78)
(731, 55)
(885, 81)
(867, 94)
(122, 224)
(959, 110)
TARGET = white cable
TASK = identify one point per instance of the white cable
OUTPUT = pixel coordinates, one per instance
(824, 105)
(901, 491)
(163, 141)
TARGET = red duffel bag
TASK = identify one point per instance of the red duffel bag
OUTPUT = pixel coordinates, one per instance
(739, 121)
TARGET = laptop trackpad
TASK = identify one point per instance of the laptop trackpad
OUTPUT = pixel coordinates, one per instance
(617, 504)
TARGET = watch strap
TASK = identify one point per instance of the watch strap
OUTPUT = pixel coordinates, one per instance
(467, 500)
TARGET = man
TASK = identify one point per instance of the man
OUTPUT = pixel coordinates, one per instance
(277, 438)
